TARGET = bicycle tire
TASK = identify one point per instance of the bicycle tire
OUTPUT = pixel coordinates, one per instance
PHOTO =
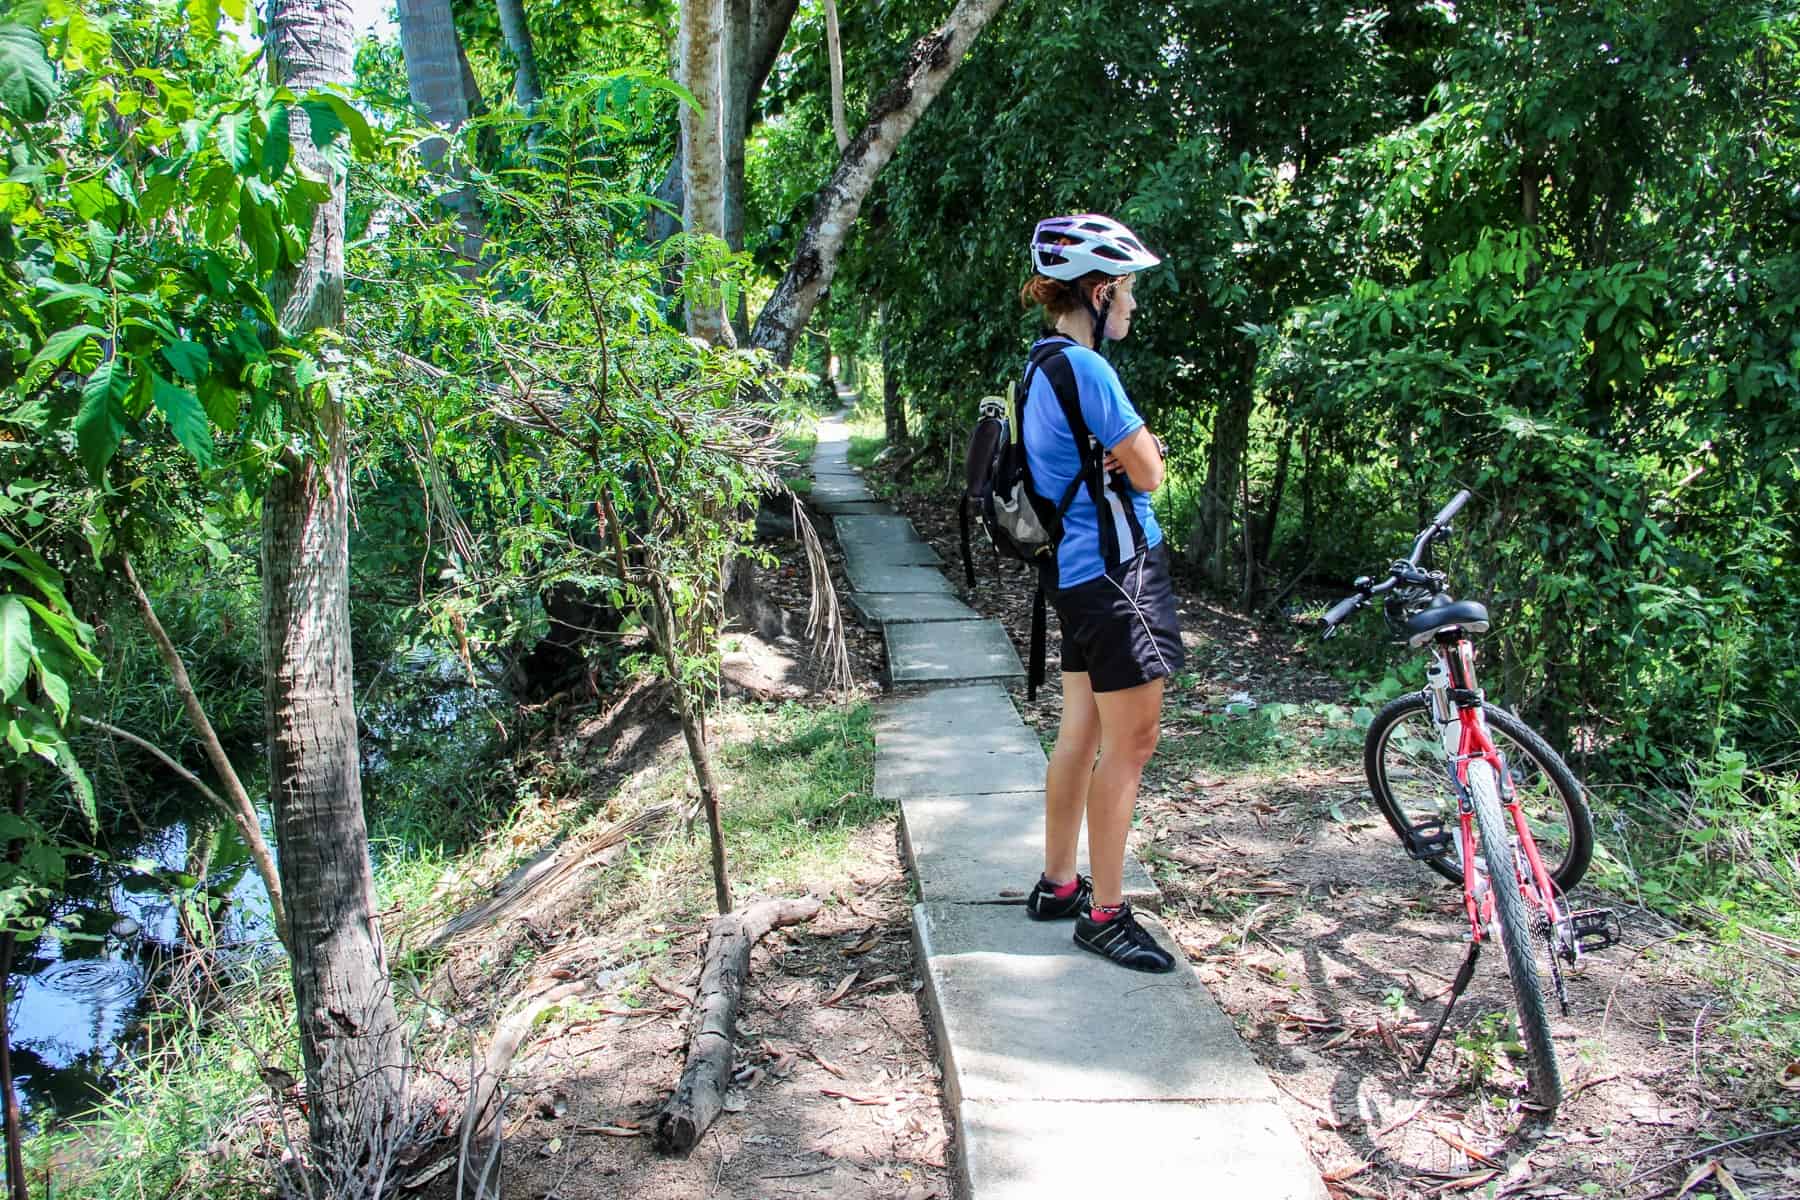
(1515, 937)
(1545, 775)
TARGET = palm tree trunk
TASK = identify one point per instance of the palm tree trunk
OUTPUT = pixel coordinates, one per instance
(526, 85)
(350, 1036)
(438, 80)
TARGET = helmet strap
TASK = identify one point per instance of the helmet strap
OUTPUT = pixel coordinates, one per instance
(1099, 317)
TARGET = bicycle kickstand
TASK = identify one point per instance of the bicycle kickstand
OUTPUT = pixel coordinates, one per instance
(1457, 988)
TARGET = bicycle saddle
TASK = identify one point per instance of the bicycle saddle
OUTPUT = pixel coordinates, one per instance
(1471, 616)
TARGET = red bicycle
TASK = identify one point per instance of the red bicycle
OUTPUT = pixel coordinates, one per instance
(1476, 795)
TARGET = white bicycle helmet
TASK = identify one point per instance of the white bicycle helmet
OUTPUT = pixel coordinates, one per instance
(1070, 247)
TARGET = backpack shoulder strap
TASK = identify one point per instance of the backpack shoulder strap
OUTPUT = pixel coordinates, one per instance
(1061, 375)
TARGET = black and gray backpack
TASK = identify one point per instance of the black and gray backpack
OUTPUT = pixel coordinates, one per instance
(1021, 524)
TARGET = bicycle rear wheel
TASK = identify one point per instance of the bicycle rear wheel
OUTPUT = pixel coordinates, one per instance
(1514, 920)
(1404, 761)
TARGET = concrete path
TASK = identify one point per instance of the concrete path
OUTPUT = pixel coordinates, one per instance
(1065, 1074)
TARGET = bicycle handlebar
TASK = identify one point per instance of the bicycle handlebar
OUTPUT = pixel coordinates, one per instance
(1451, 509)
(1342, 609)
(1405, 570)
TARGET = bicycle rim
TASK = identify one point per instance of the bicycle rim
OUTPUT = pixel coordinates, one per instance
(1514, 920)
(1404, 761)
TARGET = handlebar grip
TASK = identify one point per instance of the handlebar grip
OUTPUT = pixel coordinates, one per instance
(1342, 609)
(1451, 509)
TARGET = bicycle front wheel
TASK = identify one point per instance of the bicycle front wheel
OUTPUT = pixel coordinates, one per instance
(1404, 760)
(1514, 919)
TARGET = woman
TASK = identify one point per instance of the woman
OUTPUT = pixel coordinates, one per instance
(1120, 634)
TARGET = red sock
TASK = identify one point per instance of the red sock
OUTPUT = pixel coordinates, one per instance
(1105, 912)
(1062, 891)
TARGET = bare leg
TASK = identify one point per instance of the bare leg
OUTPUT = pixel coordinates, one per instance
(1130, 722)
(1066, 779)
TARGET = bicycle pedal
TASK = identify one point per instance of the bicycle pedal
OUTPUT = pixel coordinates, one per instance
(1428, 840)
(1595, 929)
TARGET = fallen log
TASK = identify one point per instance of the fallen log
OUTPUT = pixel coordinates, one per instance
(700, 1095)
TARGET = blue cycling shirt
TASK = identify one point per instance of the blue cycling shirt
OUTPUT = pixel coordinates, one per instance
(1054, 460)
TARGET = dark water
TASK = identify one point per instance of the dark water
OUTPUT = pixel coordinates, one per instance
(77, 993)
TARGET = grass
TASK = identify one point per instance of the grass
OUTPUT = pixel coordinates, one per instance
(189, 1079)
(796, 783)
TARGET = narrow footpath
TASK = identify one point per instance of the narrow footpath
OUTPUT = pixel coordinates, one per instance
(1064, 1074)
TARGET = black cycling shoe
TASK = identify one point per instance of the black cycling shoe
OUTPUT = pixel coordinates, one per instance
(1043, 905)
(1124, 941)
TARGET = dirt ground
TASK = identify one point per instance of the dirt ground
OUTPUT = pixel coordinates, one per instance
(838, 1092)
(1332, 952)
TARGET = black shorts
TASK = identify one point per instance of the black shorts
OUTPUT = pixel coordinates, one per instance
(1122, 628)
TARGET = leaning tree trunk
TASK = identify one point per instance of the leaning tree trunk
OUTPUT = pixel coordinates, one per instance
(703, 161)
(513, 27)
(350, 1037)
(933, 60)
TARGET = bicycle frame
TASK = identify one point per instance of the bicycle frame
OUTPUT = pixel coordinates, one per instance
(1454, 693)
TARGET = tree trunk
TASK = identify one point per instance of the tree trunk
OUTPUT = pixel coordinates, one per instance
(513, 27)
(1218, 500)
(437, 79)
(834, 48)
(350, 1037)
(933, 60)
(893, 405)
(703, 160)
(434, 74)
(735, 71)
(694, 731)
(769, 21)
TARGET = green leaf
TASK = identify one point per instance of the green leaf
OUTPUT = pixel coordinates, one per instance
(189, 359)
(256, 224)
(232, 135)
(186, 417)
(344, 116)
(203, 18)
(16, 647)
(27, 82)
(61, 345)
(222, 218)
(72, 632)
(159, 194)
(92, 199)
(278, 143)
(100, 425)
(84, 791)
(55, 687)
(322, 122)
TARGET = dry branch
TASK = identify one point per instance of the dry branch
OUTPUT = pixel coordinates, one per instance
(700, 1095)
(478, 1165)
